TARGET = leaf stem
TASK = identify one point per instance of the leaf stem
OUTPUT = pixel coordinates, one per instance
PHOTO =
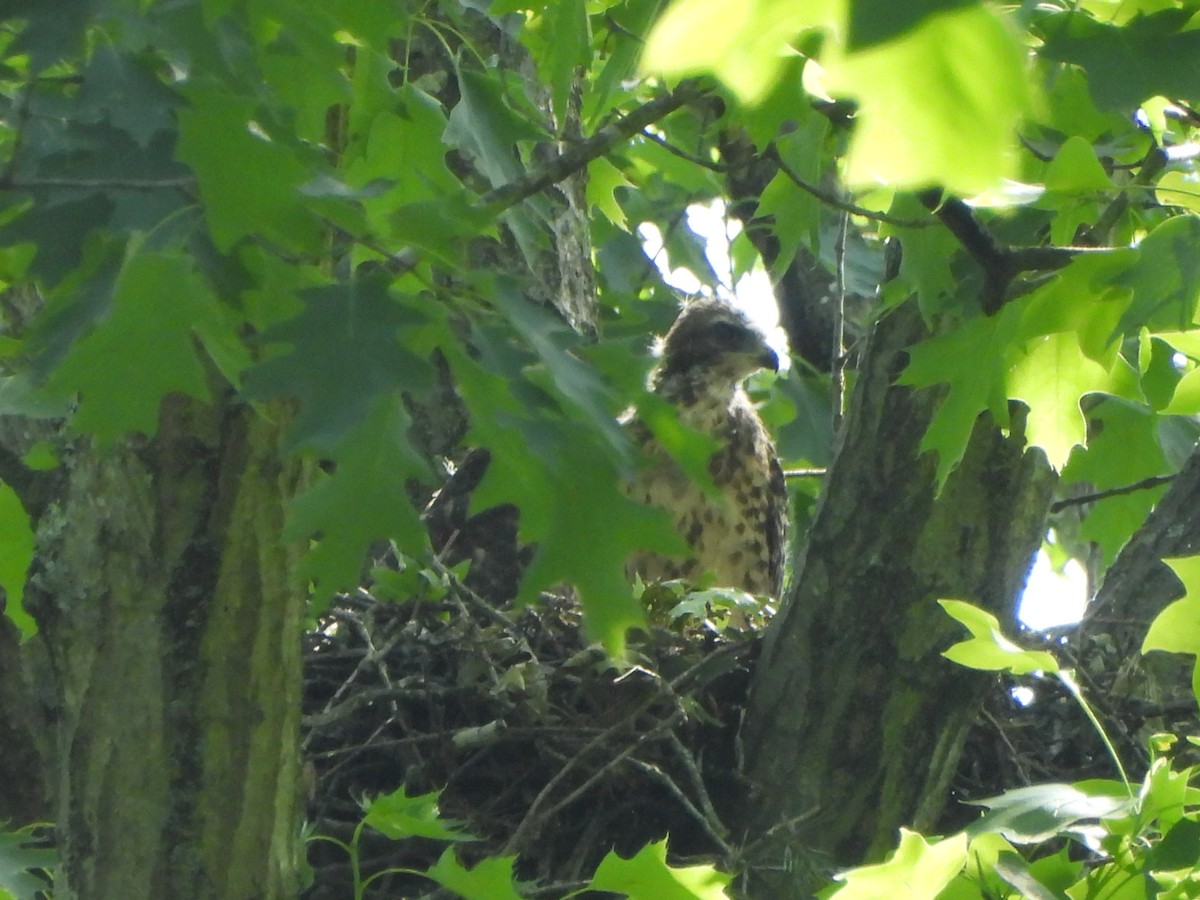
(1067, 677)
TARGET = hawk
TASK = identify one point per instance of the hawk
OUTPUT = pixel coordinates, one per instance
(737, 533)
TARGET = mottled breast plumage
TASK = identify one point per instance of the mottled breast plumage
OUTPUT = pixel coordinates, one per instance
(737, 534)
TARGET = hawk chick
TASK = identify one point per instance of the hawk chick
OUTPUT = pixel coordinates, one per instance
(738, 534)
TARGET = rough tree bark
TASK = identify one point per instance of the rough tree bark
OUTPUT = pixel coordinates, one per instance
(169, 616)
(855, 723)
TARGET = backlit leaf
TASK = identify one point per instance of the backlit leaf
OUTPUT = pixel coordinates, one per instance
(489, 879)
(1052, 377)
(1032, 814)
(972, 360)
(1177, 628)
(938, 105)
(917, 870)
(745, 44)
(401, 816)
(648, 876)
(988, 648)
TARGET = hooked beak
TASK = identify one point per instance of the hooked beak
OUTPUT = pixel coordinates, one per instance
(768, 359)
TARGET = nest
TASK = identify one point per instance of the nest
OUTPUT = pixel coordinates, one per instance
(541, 745)
(1033, 731)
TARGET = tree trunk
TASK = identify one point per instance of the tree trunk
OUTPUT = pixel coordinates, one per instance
(169, 621)
(855, 723)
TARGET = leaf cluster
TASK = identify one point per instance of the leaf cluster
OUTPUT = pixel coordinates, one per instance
(274, 203)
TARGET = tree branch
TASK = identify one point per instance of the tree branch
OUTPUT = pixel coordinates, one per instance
(582, 153)
(693, 158)
(1138, 579)
(1153, 163)
(9, 182)
(573, 160)
(35, 489)
(830, 199)
(1000, 263)
(1144, 485)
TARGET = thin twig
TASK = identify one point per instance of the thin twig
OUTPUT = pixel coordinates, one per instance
(815, 472)
(693, 158)
(692, 768)
(582, 153)
(1153, 163)
(1144, 485)
(681, 798)
(543, 796)
(566, 164)
(670, 689)
(100, 184)
(838, 203)
(664, 725)
(838, 351)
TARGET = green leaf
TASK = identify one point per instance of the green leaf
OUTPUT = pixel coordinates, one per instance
(1057, 871)
(259, 195)
(564, 478)
(938, 105)
(1177, 628)
(59, 230)
(1075, 168)
(1180, 189)
(128, 94)
(345, 352)
(147, 340)
(1016, 872)
(630, 20)
(988, 648)
(647, 876)
(691, 449)
(18, 862)
(489, 879)
(364, 500)
(402, 144)
(603, 182)
(978, 875)
(1185, 401)
(569, 39)
(567, 486)
(1178, 849)
(926, 263)
(1123, 448)
(1051, 378)
(744, 44)
(400, 816)
(917, 870)
(1030, 815)
(1083, 299)
(1165, 794)
(49, 38)
(16, 554)
(1165, 278)
(794, 211)
(877, 21)
(1127, 64)
(484, 125)
(545, 334)
(971, 359)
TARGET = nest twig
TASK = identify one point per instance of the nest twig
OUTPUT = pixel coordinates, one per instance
(541, 744)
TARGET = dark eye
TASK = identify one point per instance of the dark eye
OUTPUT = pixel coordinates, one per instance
(728, 334)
